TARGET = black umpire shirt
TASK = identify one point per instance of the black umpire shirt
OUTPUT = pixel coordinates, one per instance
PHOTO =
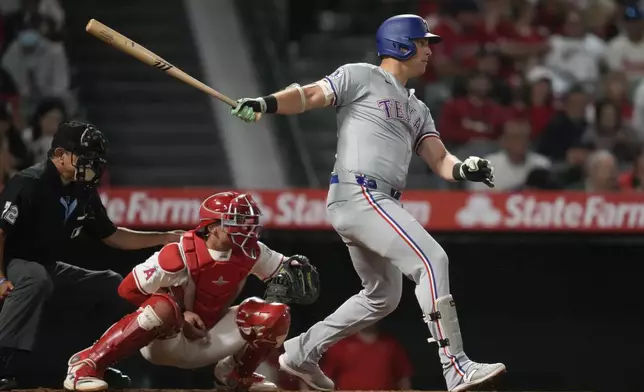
(40, 215)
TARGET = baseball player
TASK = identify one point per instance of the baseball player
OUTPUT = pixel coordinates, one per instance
(184, 292)
(380, 124)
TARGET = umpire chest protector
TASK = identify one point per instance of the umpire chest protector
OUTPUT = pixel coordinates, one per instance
(216, 283)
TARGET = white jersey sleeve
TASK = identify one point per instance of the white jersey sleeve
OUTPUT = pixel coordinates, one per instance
(267, 263)
(350, 82)
(427, 128)
(150, 276)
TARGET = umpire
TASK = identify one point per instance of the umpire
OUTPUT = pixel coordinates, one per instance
(44, 207)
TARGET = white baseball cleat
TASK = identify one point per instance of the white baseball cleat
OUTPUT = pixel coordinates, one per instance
(479, 373)
(314, 378)
(82, 374)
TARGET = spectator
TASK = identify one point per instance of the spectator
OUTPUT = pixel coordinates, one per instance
(600, 173)
(626, 51)
(49, 114)
(575, 55)
(368, 360)
(615, 90)
(528, 39)
(17, 149)
(633, 180)
(490, 64)
(550, 15)
(9, 94)
(475, 116)
(514, 161)
(29, 14)
(610, 134)
(540, 105)
(463, 36)
(38, 67)
(561, 140)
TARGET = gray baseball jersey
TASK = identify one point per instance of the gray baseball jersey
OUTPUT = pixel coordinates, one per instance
(380, 123)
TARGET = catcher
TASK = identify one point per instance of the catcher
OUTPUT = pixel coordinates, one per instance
(184, 293)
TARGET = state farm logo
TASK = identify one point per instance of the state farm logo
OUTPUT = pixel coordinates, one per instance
(478, 210)
(537, 211)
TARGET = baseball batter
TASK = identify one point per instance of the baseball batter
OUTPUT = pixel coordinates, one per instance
(380, 124)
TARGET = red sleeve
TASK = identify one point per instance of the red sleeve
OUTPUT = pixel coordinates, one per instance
(129, 290)
(451, 124)
(402, 365)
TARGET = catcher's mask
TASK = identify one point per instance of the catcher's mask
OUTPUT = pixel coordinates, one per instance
(87, 145)
(238, 215)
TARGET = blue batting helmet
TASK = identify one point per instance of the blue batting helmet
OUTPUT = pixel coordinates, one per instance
(399, 32)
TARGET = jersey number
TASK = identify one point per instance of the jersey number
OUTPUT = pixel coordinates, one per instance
(10, 212)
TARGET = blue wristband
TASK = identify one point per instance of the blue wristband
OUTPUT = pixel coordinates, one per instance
(2, 280)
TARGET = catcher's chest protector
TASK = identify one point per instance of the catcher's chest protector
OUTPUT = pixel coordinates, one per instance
(216, 283)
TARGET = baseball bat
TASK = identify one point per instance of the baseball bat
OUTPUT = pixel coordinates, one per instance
(124, 44)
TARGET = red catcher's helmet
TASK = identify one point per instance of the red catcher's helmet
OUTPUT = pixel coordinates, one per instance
(238, 214)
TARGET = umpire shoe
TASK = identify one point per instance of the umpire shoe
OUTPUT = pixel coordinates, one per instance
(116, 379)
(479, 373)
(314, 377)
(8, 383)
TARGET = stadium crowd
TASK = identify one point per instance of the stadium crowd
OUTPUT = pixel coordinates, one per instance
(551, 91)
(36, 83)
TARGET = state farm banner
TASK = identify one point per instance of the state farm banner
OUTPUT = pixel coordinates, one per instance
(439, 211)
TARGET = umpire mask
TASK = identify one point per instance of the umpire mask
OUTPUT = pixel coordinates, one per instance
(89, 147)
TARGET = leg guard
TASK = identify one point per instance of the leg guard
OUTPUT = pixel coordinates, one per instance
(264, 326)
(449, 333)
(158, 315)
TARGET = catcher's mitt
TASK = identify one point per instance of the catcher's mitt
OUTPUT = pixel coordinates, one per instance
(297, 282)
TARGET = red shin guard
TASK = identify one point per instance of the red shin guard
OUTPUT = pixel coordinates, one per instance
(157, 315)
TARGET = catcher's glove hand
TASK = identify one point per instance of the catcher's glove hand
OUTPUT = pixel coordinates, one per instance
(475, 169)
(297, 282)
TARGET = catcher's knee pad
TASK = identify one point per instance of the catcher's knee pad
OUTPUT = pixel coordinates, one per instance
(260, 321)
(159, 311)
(448, 331)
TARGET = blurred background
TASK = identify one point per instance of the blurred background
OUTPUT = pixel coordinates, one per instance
(544, 267)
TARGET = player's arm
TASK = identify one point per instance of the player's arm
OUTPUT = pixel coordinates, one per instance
(431, 149)
(163, 270)
(441, 161)
(295, 99)
(268, 262)
(447, 166)
(344, 86)
(127, 239)
(100, 226)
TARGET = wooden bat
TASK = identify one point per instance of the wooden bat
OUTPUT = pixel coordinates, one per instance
(124, 44)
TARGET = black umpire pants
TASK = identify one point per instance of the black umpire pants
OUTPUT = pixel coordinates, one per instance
(34, 283)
